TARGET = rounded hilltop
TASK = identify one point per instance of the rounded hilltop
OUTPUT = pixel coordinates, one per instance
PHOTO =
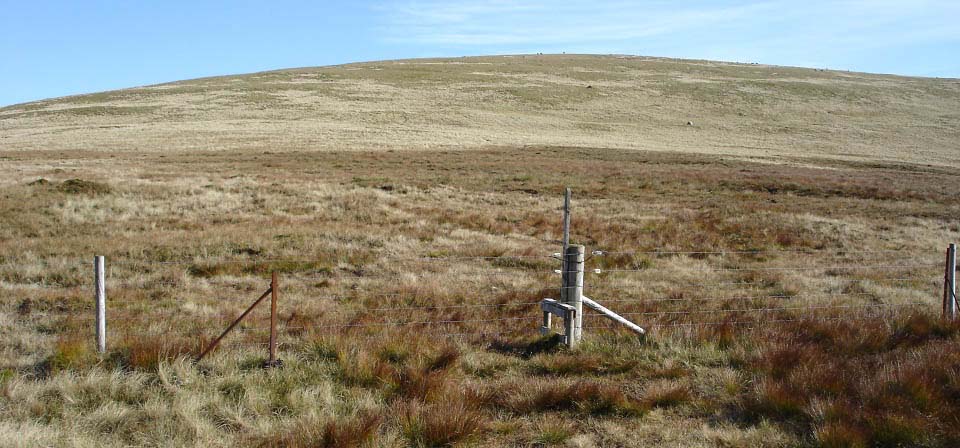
(626, 102)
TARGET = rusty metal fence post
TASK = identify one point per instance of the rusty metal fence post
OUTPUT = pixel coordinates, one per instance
(950, 284)
(273, 292)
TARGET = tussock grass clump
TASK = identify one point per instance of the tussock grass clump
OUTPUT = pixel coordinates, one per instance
(146, 352)
(347, 432)
(87, 187)
(671, 371)
(587, 397)
(350, 433)
(553, 433)
(724, 335)
(361, 368)
(214, 269)
(624, 261)
(840, 436)
(666, 395)
(326, 349)
(919, 329)
(399, 373)
(420, 384)
(426, 379)
(71, 352)
(439, 424)
(774, 400)
(580, 364)
(526, 348)
(856, 188)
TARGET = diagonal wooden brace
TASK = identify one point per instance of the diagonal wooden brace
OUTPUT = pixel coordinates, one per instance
(612, 316)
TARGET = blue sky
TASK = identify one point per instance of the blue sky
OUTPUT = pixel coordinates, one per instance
(62, 47)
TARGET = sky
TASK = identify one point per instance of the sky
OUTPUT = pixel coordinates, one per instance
(62, 47)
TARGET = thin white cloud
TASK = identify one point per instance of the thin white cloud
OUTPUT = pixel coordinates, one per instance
(529, 22)
(778, 31)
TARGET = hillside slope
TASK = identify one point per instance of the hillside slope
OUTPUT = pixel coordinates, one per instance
(620, 102)
(793, 303)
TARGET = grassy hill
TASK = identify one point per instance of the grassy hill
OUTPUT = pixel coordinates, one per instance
(784, 252)
(623, 102)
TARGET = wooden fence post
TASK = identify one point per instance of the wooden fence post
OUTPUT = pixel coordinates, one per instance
(566, 245)
(950, 284)
(100, 287)
(573, 284)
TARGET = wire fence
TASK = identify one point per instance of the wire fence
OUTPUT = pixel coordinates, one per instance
(486, 296)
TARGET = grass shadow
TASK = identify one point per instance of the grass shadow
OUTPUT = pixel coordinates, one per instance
(525, 348)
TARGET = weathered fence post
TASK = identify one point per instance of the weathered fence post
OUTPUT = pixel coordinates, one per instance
(566, 244)
(950, 284)
(573, 285)
(566, 218)
(274, 292)
(100, 287)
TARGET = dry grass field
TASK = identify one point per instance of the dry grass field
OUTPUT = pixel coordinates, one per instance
(785, 253)
(627, 102)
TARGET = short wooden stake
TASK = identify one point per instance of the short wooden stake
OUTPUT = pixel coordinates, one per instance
(547, 323)
(100, 285)
(950, 284)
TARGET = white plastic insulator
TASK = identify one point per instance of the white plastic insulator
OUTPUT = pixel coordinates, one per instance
(596, 271)
(598, 252)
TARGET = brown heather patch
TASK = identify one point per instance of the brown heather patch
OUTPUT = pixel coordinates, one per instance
(872, 384)
(190, 239)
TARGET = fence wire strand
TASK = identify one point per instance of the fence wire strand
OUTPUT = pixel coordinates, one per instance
(354, 288)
